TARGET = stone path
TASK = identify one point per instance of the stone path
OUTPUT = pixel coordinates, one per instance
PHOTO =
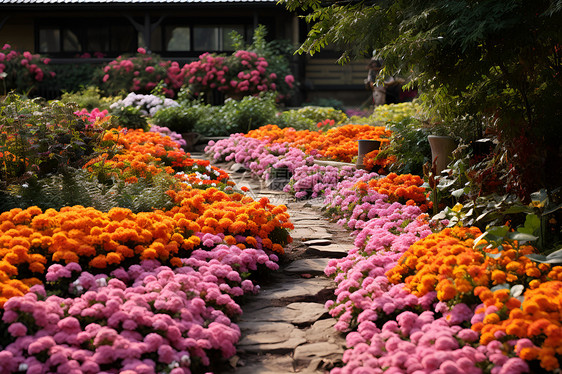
(285, 328)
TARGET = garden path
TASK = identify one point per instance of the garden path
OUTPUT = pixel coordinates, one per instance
(285, 328)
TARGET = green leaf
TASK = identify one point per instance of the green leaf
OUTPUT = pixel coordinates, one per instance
(532, 222)
(495, 256)
(498, 231)
(555, 254)
(522, 237)
(543, 259)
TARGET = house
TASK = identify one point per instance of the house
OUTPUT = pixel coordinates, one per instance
(96, 31)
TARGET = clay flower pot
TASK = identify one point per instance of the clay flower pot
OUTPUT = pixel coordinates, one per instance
(365, 146)
(442, 148)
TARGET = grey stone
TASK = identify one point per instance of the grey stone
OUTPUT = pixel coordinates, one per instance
(306, 233)
(294, 313)
(268, 364)
(317, 242)
(332, 251)
(323, 331)
(327, 351)
(314, 266)
(296, 289)
(265, 336)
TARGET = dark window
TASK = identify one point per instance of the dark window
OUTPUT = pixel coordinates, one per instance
(49, 40)
(178, 38)
(64, 37)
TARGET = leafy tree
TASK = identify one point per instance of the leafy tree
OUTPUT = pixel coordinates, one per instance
(491, 62)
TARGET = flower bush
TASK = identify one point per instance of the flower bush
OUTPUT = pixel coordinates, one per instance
(141, 74)
(89, 291)
(22, 71)
(148, 105)
(241, 74)
(207, 73)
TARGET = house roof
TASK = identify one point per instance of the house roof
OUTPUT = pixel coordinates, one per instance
(86, 2)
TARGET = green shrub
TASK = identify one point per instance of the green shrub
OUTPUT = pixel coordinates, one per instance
(77, 187)
(178, 118)
(237, 116)
(39, 139)
(130, 117)
(308, 117)
(88, 97)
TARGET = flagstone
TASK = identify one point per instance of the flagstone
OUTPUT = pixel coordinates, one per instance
(331, 251)
(296, 313)
(296, 289)
(317, 242)
(313, 266)
(266, 336)
(323, 331)
(327, 351)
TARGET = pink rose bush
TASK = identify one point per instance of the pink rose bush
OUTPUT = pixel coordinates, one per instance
(241, 74)
(141, 74)
(22, 71)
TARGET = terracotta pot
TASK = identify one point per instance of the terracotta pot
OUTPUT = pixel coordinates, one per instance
(365, 146)
(442, 148)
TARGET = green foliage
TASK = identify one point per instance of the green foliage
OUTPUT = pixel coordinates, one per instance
(130, 117)
(177, 118)
(327, 102)
(460, 57)
(77, 187)
(70, 77)
(39, 139)
(409, 145)
(88, 97)
(236, 116)
(308, 117)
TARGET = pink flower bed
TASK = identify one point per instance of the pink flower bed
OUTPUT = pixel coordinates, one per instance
(389, 329)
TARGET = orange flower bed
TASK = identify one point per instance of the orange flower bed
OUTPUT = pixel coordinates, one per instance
(339, 143)
(538, 319)
(145, 154)
(446, 262)
(404, 188)
(31, 239)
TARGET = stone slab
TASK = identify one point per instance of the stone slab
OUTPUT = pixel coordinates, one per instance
(323, 331)
(308, 352)
(295, 290)
(314, 266)
(267, 364)
(317, 242)
(303, 233)
(294, 313)
(331, 251)
(271, 337)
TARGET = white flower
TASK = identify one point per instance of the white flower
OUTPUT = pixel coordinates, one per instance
(22, 367)
(185, 360)
(101, 282)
